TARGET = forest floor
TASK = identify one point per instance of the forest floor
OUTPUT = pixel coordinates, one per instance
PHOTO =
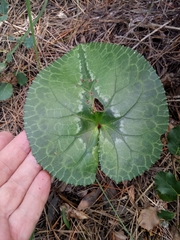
(150, 27)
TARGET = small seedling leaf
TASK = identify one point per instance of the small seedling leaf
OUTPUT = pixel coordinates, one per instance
(6, 91)
(168, 188)
(11, 38)
(166, 215)
(174, 140)
(9, 57)
(28, 42)
(2, 66)
(21, 78)
(3, 10)
(65, 220)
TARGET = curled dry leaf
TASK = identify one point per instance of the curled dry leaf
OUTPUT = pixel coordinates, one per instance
(82, 193)
(73, 213)
(148, 218)
(89, 199)
(111, 191)
(119, 235)
(175, 233)
(131, 194)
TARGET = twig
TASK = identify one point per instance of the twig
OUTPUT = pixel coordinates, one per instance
(144, 38)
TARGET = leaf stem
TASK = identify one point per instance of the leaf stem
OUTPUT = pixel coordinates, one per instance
(32, 31)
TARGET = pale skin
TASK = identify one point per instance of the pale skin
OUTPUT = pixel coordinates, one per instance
(24, 188)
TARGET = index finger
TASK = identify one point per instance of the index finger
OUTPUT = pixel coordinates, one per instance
(12, 155)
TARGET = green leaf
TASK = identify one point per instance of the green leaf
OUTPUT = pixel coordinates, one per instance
(11, 38)
(168, 188)
(102, 103)
(66, 222)
(21, 78)
(9, 57)
(174, 140)
(3, 10)
(2, 66)
(166, 215)
(28, 42)
(6, 91)
(3, 18)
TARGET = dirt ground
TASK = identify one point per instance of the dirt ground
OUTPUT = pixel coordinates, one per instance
(150, 27)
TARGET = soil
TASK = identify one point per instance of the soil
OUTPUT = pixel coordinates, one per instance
(150, 27)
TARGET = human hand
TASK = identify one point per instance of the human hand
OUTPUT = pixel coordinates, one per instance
(24, 188)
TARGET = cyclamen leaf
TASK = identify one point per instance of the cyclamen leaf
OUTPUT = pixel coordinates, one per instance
(3, 10)
(3, 7)
(21, 78)
(2, 66)
(6, 91)
(174, 140)
(3, 18)
(28, 42)
(98, 103)
(9, 57)
(168, 188)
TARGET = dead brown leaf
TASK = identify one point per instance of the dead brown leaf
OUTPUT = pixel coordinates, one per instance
(119, 235)
(148, 218)
(131, 194)
(73, 213)
(89, 199)
(111, 191)
(175, 233)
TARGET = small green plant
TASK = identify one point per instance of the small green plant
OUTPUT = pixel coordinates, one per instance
(174, 140)
(166, 185)
(99, 103)
(25, 38)
(65, 220)
(3, 10)
(168, 189)
(6, 89)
